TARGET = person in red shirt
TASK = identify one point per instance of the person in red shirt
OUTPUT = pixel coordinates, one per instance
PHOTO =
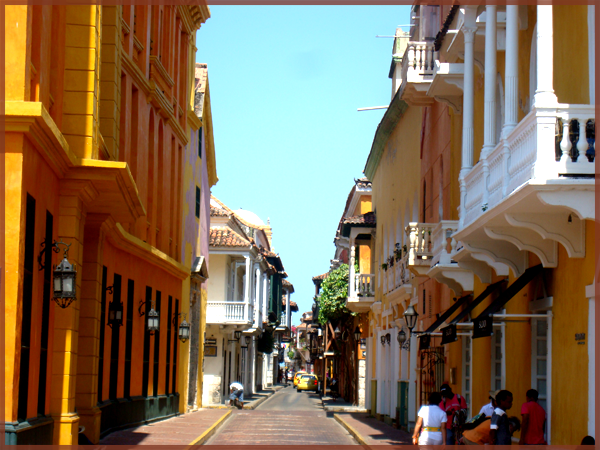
(451, 403)
(534, 419)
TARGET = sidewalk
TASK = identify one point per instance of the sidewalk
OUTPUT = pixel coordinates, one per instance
(370, 431)
(340, 405)
(187, 429)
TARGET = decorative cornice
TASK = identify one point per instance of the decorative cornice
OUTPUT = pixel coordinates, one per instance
(193, 120)
(154, 61)
(136, 73)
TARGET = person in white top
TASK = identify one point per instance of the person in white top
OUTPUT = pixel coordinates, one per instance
(236, 394)
(488, 409)
(430, 428)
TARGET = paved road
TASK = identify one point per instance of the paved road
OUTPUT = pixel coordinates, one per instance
(288, 417)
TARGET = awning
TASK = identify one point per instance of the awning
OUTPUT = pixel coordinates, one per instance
(480, 298)
(448, 313)
(512, 290)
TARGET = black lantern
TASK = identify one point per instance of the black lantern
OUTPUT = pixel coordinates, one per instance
(184, 330)
(115, 314)
(237, 334)
(337, 332)
(64, 280)
(153, 321)
(357, 334)
(248, 339)
(382, 340)
(401, 337)
(388, 338)
(410, 317)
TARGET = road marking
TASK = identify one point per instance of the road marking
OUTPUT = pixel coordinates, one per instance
(208, 433)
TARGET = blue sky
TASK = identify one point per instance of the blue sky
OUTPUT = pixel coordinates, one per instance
(285, 84)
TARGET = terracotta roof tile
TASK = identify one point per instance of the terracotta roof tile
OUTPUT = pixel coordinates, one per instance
(218, 212)
(321, 277)
(226, 237)
(363, 219)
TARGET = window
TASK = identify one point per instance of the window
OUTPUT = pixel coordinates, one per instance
(102, 319)
(197, 202)
(174, 381)
(539, 359)
(27, 305)
(156, 349)
(146, 368)
(200, 136)
(46, 299)
(168, 365)
(114, 343)
(128, 337)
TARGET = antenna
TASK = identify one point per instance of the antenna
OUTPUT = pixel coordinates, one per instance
(371, 108)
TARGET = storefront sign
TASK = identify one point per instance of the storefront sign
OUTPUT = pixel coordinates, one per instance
(483, 327)
(449, 334)
(210, 350)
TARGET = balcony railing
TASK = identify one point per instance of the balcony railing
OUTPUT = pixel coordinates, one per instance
(418, 61)
(228, 312)
(420, 246)
(533, 152)
(444, 246)
(402, 274)
(364, 285)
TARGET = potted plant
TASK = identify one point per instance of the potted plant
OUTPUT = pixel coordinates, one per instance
(384, 266)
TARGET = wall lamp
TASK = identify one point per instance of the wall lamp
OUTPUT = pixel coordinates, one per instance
(65, 275)
(153, 318)
(184, 327)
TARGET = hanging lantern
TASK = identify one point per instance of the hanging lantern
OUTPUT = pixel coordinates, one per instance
(410, 317)
(401, 337)
(115, 314)
(357, 334)
(248, 339)
(64, 282)
(237, 335)
(337, 332)
(153, 321)
(184, 330)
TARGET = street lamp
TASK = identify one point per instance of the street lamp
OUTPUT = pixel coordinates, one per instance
(357, 334)
(184, 329)
(410, 317)
(388, 338)
(248, 339)
(115, 313)
(401, 337)
(237, 334)
(382, 340)
(153, 321)
(337, 332)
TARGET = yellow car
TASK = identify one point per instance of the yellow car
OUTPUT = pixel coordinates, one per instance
(297, 376)
(308, 382)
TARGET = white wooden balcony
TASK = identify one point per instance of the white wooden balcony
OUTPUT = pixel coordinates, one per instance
(229, 313)
(420, 247)
(443, 266)
(400, 286)
(418, 64)
(361, 292)
(534, 189)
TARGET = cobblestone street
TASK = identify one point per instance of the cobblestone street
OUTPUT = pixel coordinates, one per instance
(289, 417)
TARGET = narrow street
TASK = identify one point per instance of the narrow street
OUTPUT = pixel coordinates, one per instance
(287, 417)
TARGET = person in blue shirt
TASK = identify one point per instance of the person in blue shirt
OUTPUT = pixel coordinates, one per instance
(236, 394)
(500, 426)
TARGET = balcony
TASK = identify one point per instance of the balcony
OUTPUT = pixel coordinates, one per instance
(400, 284)
(443, 266)
(418, 64)
(361, 292)
(229, 313)
(420, 247)
(534, 189)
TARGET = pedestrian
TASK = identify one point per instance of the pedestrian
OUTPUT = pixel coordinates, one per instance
(500, 428)
(451, 404)
(430, 428)
(236, 394)
(534, 419)
(481, 434)
(488, 409)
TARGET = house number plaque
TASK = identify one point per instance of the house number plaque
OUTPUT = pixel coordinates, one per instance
(580, 338)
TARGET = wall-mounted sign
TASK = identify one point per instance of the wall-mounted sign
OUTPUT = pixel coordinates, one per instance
(210, 341)
(210, 350)
(580, 338)
(483, 326)
(424, 341)
(449, 334)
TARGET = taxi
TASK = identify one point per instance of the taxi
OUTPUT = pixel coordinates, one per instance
(308, 382)
(297, 376)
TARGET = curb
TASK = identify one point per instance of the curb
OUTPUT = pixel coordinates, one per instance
(200, 440)
(355, 434)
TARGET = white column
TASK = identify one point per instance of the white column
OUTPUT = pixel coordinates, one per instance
(591, 345)
(247, 284)
(265, 290)
(511, 71)
(351, 281)
(288, 316)
(549, 378)
(489, 109)
(544, 94)
(467, 131)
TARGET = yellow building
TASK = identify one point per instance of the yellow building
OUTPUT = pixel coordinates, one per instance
(99, 114)
(503, 243)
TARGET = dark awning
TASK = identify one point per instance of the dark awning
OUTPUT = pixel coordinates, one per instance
(481, 297)
(512, 290)
(448, 313)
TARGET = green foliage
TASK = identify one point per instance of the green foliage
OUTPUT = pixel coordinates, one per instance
(334, 292)
(291, 354)
(265, 343)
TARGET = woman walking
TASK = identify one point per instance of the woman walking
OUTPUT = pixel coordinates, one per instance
(430, 428)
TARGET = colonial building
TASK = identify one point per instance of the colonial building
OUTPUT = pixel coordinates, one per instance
(490, 243)
(99, 123)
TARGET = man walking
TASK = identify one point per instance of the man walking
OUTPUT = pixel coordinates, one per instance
(236, 395)
(500, 426)
(534, 418)
(451, 403)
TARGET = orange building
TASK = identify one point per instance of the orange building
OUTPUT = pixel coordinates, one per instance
(99, 111)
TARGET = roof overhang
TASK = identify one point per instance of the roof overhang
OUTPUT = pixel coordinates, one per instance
(200, 268)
